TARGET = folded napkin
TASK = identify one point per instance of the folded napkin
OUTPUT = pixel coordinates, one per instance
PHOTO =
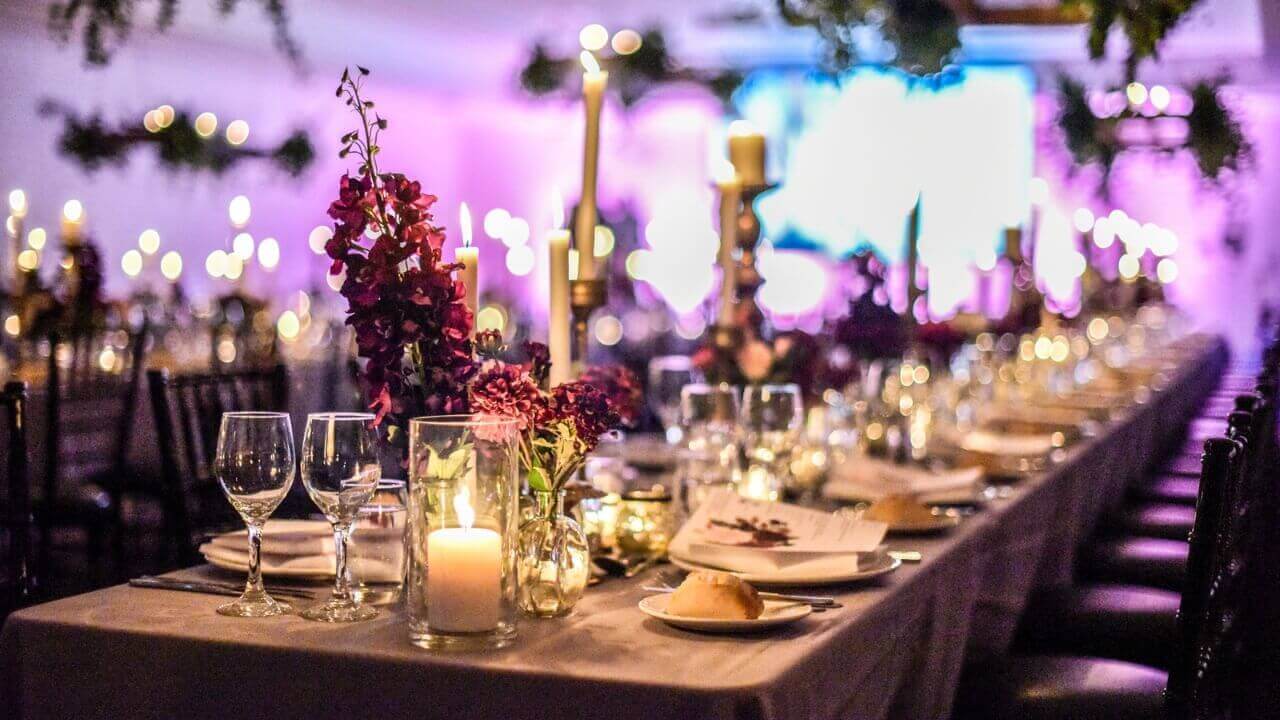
(305, 547)
(284, 537)
(871, 479)
(733, 533)
(1007, 444)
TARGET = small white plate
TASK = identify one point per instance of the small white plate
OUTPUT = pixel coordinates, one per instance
(775, 613)
(870, 565)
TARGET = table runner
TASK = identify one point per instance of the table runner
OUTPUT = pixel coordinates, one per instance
(893, 651)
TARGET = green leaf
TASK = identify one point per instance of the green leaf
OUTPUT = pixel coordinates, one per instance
(537, 479)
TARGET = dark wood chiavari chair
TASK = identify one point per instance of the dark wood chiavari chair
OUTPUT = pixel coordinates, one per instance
(188, 412)
(91, 395)
(18, 574)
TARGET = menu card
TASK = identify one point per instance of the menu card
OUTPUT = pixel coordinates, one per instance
(735, 533)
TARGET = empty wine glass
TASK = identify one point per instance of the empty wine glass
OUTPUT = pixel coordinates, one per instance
(709, 418)
(340, 470)
(668, 374)
(772, 419)
(254, 464)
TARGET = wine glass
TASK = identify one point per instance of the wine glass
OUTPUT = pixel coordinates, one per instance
(709, 419)
(772, 418)
(340, 470)
(668, 374)
(254, 464)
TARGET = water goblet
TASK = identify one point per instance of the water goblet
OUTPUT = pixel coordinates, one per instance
(668, 374)
(340, 470)
(254, 465)
(772, 418)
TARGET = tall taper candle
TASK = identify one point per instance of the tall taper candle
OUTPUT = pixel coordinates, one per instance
(469, 258)
(730, 197)
(558, 340)
(747, 153)
(594, 82)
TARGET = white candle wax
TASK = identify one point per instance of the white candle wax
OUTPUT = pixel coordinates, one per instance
(730, 198)
(558, 322)
(469, 258)
(594, 82)
(464, 579)
(747, 153)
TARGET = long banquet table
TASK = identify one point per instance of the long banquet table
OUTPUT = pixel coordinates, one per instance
(894, 650)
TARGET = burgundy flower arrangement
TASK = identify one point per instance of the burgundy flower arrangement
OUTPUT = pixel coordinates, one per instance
(559, 428)
(411, 323)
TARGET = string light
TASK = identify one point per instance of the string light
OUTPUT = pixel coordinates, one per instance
(73, 211)
(269, 253)
(235, 267)
(206, 124)
(131, 263)
(1128, 267)
(171, 265)
(626, 42)
(593, 37)
(1136, 92)
(239, 211)
(149, 241)
(150, 123)
(242, 246)
(17, 203)
(318, 238)
(164, 115)
(288, 325)
(237, 132)
(216, 264)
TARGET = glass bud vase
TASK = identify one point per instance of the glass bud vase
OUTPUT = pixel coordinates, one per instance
(553, 560)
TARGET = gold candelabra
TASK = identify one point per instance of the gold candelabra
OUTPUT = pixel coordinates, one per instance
(747, 314)
(585, 297)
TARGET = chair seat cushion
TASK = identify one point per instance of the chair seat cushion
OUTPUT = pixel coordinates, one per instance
(1121, 622)
(1171, 521)
(1154, 562)
(1169, 489)
(1060, 688)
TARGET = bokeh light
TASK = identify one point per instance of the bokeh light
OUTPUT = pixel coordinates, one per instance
(239, 210)
(131, 263)
(37, 238)
(149, 241)
(269, 253)
(593, 37)
(318, 237)
(242, 245)
(237, 132)
(206, 124)
(171, 265)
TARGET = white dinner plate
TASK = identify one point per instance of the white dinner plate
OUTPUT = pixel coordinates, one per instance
(870, 565)
(775, 613)
(239, 562)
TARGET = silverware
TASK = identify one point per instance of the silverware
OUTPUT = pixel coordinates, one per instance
(817, 602)
(906, 556)
(210, 588)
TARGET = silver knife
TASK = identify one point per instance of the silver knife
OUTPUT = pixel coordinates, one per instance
(208, 588)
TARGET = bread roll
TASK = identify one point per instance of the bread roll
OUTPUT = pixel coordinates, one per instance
(707, 594)
(898, 510)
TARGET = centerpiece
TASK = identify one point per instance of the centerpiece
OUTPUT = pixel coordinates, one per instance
(470, 406)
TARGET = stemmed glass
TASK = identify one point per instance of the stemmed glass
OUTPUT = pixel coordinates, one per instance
(254, 464)
(668, 374)
(340, 470)
(772, 418)
(709, 418)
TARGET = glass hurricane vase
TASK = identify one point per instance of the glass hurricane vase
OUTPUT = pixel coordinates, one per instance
(553, 560)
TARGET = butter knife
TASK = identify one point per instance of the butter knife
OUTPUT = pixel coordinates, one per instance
(208, 588)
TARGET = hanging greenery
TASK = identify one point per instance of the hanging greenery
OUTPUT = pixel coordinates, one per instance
(924, 34)
(104, 25)
(633, 75)
(92, 143)
(1213, 135)
(1145, 25)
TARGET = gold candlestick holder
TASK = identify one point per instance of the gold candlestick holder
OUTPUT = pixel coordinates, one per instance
(748, 280)
(585, 297)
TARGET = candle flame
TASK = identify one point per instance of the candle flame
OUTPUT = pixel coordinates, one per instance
(742, 127)
(462, 506)
(464, 222)
(589, 62)
(557, 209)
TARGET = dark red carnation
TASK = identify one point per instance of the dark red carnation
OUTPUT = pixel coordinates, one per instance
(622, 389)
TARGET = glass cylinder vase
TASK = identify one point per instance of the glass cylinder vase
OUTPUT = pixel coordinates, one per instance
(462, 582)
(554, 559)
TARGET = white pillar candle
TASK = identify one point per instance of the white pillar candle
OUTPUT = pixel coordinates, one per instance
(730, 198)
(747, 153)
(558, 342)
(464, 579)
(469, 258)
(594, 82)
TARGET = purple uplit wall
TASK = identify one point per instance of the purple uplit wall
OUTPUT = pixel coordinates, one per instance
(492, 147)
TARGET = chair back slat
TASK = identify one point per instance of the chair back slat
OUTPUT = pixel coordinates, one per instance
(188, 413)
(17, 575)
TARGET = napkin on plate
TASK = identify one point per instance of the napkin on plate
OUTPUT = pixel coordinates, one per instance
(871, 479)
(305, 547)
(1007, 444)
(737, 534)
